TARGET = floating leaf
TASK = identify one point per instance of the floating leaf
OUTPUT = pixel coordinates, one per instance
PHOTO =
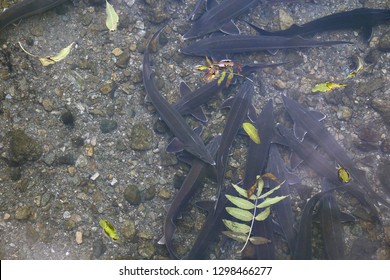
(237, 227)
(264, 195)
(240, 202)
(258, 240)
(112, 18)
(240, 237)
(48, 60)
(325, 87)
(108, 229)
(252, 132)
(240, 214)
(263, 214)
(269, 201)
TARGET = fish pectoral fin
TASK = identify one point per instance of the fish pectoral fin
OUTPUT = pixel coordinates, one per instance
(207, 205)
(273, 52)
(184, 89)
(299, 132)
(230, 28)
(175, 146)
(199, 114)
(161, 241)
(317, 115)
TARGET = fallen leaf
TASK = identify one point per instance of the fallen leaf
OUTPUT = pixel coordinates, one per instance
(112, 18)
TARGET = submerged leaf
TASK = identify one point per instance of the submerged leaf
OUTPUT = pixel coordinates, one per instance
(325, 87)
(237, 227)
(270, 176)
(108, 229)
(252, 132)
(241, 191)
(240, 202)
(263, 214)
(48, 60)
(358, 69)
(240, 214)
(269, 201)
(264, 195)
(112, 18)
(258, 240)
(240, 237)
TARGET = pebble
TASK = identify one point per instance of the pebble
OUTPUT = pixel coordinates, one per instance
(164, 193)
(279, 84)
(141, 137)
(66, 215)
(47, 105)
(95, 176)
(68, 119)
(108, 126)
(117, 52)
(123, 60)
(23, 148)
(98, 248)
(79, 237)
(285, 20)
(132, 195)
(23, 213)
(382, 106)
(146, 250)
(106, 88)
(344, 113)
(89, 150)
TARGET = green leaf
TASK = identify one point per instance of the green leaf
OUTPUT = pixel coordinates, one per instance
(260, 186)
(264, 195)
(108, 229)
(269, 201)
(325, 87)
(236, 236)
(258, 240)
(112, 18)
(240, 190)
(240, 202)
(252, 132)
(263, 214)
(237, 227)
(240, 214)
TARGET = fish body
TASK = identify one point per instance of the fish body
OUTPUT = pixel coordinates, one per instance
(191, 141)
(256, 162)
(219, 17)
(282, 209)
(25, 9)
(238, 111)
(306, 122)
(362, 18)
(191, 184)
(232, 44)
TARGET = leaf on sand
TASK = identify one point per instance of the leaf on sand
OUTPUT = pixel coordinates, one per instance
(237, 227)
(252, 132)
(240, 202)
(112, 18)
(240, 214)
(108, 229)
(325, 87)
(48, 60)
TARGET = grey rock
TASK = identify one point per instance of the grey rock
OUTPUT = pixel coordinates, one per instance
(23, 148)
(382, 106)
(132, 195)
(108, 126)
(141, 137)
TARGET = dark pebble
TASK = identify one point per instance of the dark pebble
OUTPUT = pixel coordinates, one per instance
(23, 148)
(141, 137)
(385, 147)
(384, 175)
(77, 142)
(123, 60)
(368, 134)
(132, 195)
(107, 126)
(363, 249)
(15, 173)
(67, 159)
(98, 249)
(160, 127)
(150, 193)
(67, 118)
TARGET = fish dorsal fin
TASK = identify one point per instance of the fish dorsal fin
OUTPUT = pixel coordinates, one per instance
(198, 114)
(161, 241)
(147, 99)
(184, 89)
(317, 115)
(347, 218)
(227, 103)
(230, 28)
(299, 132)
(252, 115)
(292, 179)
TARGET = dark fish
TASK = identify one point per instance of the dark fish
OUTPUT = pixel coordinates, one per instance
(362, 18)
(25, 9)
(330, 224)
(219, 18)
(321, 165)
(231, 44)
(191, 141)
(307, 122)
(238, 111)
(283, 209)
(255, 165)
(190, 185)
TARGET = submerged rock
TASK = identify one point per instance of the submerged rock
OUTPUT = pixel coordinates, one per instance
(23, 148)
(141, 137)
(132, 195)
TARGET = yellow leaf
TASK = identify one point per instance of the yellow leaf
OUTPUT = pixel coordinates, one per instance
(358, 69)
(258, 240)
(112, 18)
(45, 61)
(325, 87)
(108, 229)
(252, 132)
